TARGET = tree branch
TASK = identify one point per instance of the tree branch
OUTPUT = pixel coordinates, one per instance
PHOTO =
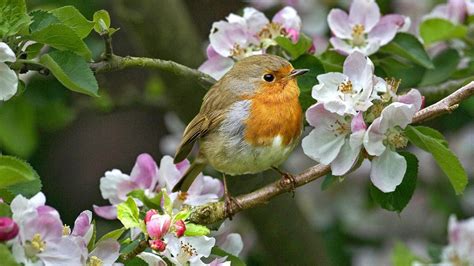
(116, 62)
(214, 212)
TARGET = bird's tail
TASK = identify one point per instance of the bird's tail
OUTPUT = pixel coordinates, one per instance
(193, 171)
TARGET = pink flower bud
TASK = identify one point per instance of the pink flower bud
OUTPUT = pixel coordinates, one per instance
(180, 227)
(158, 225)
(149, 214)
(157, 245)
(8, 229)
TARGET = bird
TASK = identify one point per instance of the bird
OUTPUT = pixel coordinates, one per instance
(250, 121)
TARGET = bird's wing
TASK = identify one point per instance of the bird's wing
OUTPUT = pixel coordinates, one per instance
(213, 110)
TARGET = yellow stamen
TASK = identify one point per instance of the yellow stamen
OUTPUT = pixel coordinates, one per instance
(37, 243)
(345, 87)
(66, 230)
(95, 261)
(397, 139)
(358, 35)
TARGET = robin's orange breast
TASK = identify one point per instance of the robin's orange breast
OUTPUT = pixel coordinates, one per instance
(275, 111)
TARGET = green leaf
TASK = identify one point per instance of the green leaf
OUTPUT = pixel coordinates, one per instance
(308, 80)
(328, 181)
(101, 21)
(234, 260)
(196, 230)
(115, 234)
(398, 199)
(13, 18)
(408, 46)
(5, 210)
(332, 61)
(42, 19)
(295, 49)
(438, 29)
(152, 203)
(72, 18)
(127, 213)
(445, 65)
(63, 38)
(402, 256)
(17, 177)
(33, 50)
(446, 159)
(429, 132)
(410, 74)
(182, 215)
(7, 256)
(72, 71)
(18, 133)
(167, 203)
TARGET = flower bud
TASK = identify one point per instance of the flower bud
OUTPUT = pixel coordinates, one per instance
(149, 214)
(180, 227)
(158, 225)
(8, 229)
(157, 245)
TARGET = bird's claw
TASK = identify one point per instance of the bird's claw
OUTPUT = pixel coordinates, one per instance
(288, 180)
(231, 206)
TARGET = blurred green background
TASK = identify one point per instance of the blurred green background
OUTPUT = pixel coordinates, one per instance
(71, 140)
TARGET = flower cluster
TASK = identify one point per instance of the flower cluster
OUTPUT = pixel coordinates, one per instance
(363, 29)
(249, 34)
(170, 237)
(37, 236)
(346, 104)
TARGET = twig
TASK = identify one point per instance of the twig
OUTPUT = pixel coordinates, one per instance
(214, 212)
(109, 51)
(115, 63)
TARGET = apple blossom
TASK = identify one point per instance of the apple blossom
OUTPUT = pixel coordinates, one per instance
(348, 92)
(454, 11)
(335, 140)
(158, 225)
(383, 137)
(8, 77)
(363, 29)
(184, 250)
(461, 242)
(180, 228)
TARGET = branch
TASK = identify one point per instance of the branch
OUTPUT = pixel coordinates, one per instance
(115, 63)
(214, 212)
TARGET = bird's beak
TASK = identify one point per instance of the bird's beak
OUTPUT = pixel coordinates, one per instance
(297, 72)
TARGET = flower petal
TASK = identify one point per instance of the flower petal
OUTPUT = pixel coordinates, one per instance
(82, 224)
(360, 71)
(206, 185)
(341, 46)
(217, 66)
(288, 18)
(412, 97)
(145, 172)
(107, 212)
(357, 123)
(255, 20)
(345, 159)
(62, 251)
(373, 139)
(327, 89)
(338, 22)
(364, 12)
(171, 173)
(386, 29)
(8, 82)
(388, 170)
(318, 116)
(107, 250)
(232, 244)
(396, 114)
(322, 145)
(109, 186)
(224, 36)
(152, 259)
(6, 53)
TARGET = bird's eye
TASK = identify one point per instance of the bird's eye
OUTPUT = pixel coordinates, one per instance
(268, 77)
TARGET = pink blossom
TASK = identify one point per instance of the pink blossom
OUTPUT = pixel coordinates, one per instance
(8, 229)
(180, 228)
(158, 225)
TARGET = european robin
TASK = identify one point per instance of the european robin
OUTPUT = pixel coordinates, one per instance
(249, 121)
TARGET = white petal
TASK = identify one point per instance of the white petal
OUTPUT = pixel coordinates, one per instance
(396, 114)
(107, 250)
(327, 89)
(202, 244)
(364, 12)
(338, 22)
(224, 36)
(6, 53)
(151, 259)
(233, 244)
(217, 66)
(412, 97)
(288, 18)
(322, 145)
(109, 185)
(388, 170)
(360, 71)
(373, 139)
(8, 82)
(318, 116)
(345, 159)
(341, 46)
(255, 20)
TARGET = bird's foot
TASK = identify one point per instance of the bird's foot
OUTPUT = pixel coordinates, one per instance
(287, 180)
(231, 204)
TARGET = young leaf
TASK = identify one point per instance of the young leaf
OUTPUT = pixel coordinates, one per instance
(234, 260)
(402, 256)
(127, 213)
(432, 133)
(115, 234)
(196, 230)
(17, 177)
(41, 19)
(308, 80)
(7, 256)
(408, 46)
(101, 21)
(445, 65)
(13, 18)
(71, 17)
(446, 159)
(18, 132)
(438, 29)
(398, 199)
(72, 71)
(295, 49)
(62, 37)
